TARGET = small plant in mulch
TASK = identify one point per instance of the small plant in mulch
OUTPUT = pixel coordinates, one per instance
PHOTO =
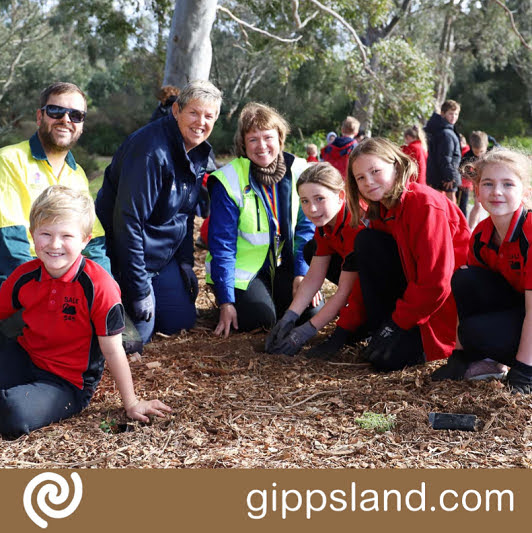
(379, 422)
(112, 426)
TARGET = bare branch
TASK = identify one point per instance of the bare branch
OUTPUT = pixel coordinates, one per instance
(295, 11)
(512, 21)
(346, 24)
(255, 29)
(395, 20)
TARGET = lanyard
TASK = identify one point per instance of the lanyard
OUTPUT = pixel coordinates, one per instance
(273, 203)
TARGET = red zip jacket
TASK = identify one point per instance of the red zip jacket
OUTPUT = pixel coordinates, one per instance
(416, 151)
(432, 235)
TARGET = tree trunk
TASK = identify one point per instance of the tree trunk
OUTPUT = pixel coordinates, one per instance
(189, 51)
(443, 81)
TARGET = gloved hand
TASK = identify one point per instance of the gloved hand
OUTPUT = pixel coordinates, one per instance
(291, 344)
(520, 378)
(143, 309)
(332, 345)
(280, 330)
(383, 343)
(190, 280)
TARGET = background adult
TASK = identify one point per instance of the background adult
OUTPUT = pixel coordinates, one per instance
(147, 203)
(30, 167)
(257, 229)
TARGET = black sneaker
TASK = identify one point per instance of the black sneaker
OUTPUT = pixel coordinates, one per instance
(455, 369)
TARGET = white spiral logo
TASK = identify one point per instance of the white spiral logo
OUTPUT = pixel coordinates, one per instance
(57, 492)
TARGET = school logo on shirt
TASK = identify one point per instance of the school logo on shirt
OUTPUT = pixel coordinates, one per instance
(37, 178)
(69, 309)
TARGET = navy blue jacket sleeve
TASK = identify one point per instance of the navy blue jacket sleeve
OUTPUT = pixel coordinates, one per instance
(136, 197)
(446, 158)
(223, 230)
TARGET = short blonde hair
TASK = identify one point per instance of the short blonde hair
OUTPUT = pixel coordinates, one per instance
(405, 167)
(322, 174)
(58, 203)
(255, 116)
(312, 148)
(201, 90)
(350, 125)
(519, 163)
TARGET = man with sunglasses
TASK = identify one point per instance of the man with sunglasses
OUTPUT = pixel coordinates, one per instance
(29, 167)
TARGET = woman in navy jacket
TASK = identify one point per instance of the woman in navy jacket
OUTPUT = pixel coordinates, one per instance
(146, 205)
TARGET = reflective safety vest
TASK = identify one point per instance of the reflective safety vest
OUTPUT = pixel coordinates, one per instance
(254, 237)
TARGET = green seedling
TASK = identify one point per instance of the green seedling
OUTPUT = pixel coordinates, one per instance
(376, 421)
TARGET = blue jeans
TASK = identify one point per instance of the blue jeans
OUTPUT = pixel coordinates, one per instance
(174, 309)
(31, 398)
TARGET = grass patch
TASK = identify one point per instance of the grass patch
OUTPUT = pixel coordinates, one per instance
(379, 422)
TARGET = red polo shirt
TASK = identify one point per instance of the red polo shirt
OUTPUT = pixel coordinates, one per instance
(63, 317)
(341, 240)
(510, 259)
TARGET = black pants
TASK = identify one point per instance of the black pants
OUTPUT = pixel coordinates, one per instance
(335, 266)
(30, 397)
(463, 199)
(383, 282)
(261, 305)
(490, 314)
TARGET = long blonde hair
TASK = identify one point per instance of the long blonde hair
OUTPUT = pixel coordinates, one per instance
(389, 152)
(417, 133)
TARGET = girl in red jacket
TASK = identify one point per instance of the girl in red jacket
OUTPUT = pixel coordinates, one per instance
(322, 196)
(494, 291)
(415, 240)
(416, 147)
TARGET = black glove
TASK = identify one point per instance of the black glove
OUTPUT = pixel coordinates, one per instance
(280, 331)
(455, 368)
(332, 345)
(143, 309)
(190, 280)
(520, 378)
(383, 343)
(297, 337)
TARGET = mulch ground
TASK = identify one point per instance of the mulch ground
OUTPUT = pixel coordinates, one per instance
(237, 407)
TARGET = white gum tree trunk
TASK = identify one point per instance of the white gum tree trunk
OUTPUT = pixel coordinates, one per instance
(189, 51)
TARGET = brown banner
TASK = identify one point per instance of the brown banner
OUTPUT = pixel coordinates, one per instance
(263, 500)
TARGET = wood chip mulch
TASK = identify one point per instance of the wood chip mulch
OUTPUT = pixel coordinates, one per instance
(237, 407)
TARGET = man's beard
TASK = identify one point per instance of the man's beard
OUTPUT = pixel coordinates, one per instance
(49, 143)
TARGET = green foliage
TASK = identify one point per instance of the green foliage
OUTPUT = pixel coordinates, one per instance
(523, 144)
(298, 145)
(109, 425)
(376, 421)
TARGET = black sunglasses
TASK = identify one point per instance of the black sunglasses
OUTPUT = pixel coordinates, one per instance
(57, 111)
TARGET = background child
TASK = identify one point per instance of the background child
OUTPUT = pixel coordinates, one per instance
(73, 314)
(322, 196)
(416, 147)
(312, 153)
(479, 146)
(405, 259)
(494, 292)
(445, 152)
